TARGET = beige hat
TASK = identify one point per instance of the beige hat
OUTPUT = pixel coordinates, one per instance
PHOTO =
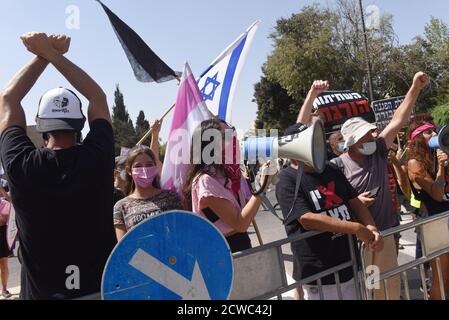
(355, 129)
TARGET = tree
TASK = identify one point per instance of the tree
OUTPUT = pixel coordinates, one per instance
(315, 44)
(119, 112)
(440, 114)
(327, 43)
(437, 45)
(142, 125)
(162, 150)
(125, 135)
(270, 96)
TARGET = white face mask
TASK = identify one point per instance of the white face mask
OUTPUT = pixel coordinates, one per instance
(368, 148)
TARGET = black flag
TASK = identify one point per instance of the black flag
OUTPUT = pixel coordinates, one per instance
(147, 66)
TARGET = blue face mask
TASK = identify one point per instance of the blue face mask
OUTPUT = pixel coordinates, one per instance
(341, 147)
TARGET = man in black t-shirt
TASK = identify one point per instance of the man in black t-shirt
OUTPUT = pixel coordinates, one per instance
(62, 194)
(325, 202)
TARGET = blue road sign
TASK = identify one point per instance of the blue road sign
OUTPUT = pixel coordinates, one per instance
(172, 256)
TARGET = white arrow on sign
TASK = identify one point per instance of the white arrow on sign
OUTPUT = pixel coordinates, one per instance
(194, 289)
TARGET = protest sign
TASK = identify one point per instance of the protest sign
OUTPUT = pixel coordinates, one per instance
(336, 107)
(385, 109)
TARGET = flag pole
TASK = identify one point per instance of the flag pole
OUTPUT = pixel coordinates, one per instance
(145, 137)
(256, 227)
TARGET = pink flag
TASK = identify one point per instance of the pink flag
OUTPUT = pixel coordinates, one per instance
(189, 112)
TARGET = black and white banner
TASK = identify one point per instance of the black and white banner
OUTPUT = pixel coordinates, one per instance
(336, 107)
(385, 109)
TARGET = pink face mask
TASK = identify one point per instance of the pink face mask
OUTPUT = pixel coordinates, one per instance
(144, 176)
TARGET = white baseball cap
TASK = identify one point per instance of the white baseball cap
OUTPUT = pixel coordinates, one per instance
(60, 109)
(355, 129)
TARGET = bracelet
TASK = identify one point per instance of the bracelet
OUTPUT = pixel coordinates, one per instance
(440, 184)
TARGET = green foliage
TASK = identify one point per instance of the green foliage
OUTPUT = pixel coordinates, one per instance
(328, 44)
(124, 133)
(440, 114)
(276, 108)
(142, 125)
(162, 150)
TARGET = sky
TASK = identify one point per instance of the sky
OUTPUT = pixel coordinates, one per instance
(178, 31)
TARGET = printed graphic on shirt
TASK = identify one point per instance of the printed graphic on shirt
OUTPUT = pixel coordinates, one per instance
(130, 212)
(325, 199)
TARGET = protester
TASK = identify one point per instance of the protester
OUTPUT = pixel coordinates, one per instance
(397, 177)
(119, 178)
(324, 202)
(365, 166)
(429, 185)
(145, 198)
(336, 144)
(62, 194)
(155, 144)
(215, 189)
(5, 252)
(417, 206)
(305, 113)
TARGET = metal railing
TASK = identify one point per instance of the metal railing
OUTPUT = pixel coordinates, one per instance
(259, 273)
(432, 228)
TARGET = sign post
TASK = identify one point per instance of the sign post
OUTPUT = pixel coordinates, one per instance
(172, 256)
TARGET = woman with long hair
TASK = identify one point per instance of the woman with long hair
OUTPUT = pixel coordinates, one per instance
(145, 198)
(214, 187)
(429, 177)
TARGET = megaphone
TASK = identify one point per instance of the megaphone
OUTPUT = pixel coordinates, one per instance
(308, 146)
(441, 141)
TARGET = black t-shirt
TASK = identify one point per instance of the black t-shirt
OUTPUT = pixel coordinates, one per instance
(63, 201)
(327, 193)
(118, 195)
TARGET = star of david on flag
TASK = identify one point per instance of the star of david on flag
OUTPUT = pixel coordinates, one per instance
(210, 87)
(218, 83)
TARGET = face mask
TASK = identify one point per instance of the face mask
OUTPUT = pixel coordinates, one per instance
(144, 177)
(341, 147)
(368, 148)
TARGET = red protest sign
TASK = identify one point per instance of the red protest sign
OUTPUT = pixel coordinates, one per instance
(336, 107)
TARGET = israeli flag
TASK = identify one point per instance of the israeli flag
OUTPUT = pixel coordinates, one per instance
(217, 84)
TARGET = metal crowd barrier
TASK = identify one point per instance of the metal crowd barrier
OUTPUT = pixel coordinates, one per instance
(434, 236)
(260, 273)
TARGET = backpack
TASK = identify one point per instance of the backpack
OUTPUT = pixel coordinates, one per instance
(337, 162)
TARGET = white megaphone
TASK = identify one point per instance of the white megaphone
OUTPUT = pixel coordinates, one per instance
(308, 146)
(441, 141)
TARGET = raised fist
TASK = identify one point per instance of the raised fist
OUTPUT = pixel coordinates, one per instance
(60, 42)
(37, 43)
(421, 80)
(319, 86)
(157, 127)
